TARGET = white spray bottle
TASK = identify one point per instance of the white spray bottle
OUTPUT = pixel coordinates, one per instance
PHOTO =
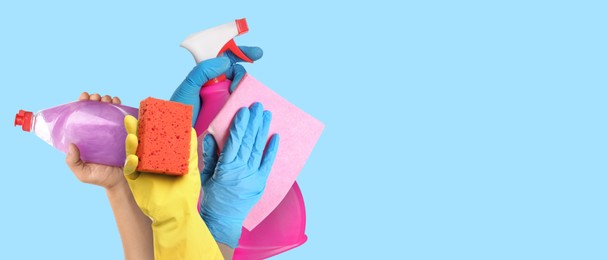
(208, 44)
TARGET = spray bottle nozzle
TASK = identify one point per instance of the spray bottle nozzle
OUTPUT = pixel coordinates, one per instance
(242, 26)
(213, 42)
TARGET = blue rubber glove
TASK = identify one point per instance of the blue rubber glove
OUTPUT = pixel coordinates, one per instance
(188, 92)
(234, 180)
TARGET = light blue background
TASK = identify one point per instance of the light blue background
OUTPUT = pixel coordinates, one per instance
(468, 130)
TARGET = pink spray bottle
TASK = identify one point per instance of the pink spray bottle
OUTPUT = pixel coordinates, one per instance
(209, 44)
(284, 228)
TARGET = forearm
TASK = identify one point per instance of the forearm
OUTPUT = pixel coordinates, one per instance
(134, 227)
(226, 251)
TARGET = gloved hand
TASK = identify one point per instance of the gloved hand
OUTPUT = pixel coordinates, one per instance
(234, 180)
(188, 92)
(171, 203)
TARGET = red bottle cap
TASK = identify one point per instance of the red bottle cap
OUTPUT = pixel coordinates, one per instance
(24, 119)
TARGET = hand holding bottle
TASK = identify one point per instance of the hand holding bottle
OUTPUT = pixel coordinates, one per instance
(92, 173)
(134, 227)
(188, 92)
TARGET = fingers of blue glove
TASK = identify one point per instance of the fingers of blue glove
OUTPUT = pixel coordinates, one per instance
(208, 69)
(237, 132)
(198, 76)
(210, 157)
(187, 92)
(254, 53)
(260, 140)
(252, 129)
(269, 155)
(238, 73)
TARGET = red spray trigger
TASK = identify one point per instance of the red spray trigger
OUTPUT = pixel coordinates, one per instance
(242, 27)
(231, 45)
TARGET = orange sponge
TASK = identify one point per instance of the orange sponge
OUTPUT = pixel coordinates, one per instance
(164, 136)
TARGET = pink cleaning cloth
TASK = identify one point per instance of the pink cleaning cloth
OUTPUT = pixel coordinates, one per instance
(298, 134)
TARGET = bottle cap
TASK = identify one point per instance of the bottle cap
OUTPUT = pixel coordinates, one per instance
(24, 119)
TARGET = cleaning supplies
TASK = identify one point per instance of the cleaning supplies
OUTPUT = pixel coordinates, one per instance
(281, 220)
(164, 131)
(96, 128)
(208, 44)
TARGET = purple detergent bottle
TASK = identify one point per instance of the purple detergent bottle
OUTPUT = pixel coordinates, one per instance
(96, 128)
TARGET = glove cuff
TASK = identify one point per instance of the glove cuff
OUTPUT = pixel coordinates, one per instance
(183, 237)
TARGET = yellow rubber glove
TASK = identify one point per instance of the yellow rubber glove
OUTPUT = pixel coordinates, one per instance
(171, 203)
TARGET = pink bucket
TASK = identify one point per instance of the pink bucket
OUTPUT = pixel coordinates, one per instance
(283, 230)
